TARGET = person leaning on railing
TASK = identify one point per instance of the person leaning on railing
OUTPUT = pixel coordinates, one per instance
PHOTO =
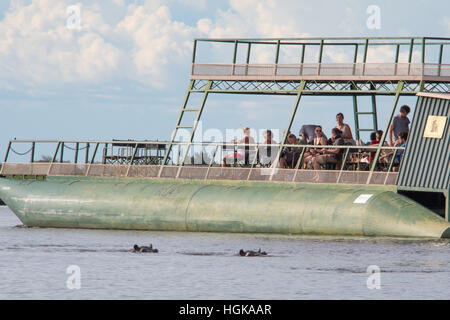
(399, 124)
(327, 155)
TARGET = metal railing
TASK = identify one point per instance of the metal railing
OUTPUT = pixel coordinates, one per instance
(350, 169)
(319, 70)
(202, 173)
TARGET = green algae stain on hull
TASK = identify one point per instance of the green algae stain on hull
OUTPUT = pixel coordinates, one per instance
(218, 206)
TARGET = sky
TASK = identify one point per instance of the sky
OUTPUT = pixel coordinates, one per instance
(123, 73)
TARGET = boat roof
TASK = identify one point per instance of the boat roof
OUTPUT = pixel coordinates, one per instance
(445, 96)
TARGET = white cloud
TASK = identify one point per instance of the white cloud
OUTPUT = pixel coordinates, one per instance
(38, 48)
(120, 3)
(145, 43)
(197, 4)
(445, 22)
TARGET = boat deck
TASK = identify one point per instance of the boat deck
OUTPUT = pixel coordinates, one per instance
(200, 172)
(429, 72)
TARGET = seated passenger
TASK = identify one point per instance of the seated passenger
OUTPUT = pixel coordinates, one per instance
(330, 155)
(400, 142)
(243, 153)
(345, 129)
(267, 154)
(319, 140)
(289, 156)
(379, 134)
(374, 141)
(307, 132)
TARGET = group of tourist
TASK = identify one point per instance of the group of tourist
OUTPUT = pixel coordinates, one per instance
(316, 157)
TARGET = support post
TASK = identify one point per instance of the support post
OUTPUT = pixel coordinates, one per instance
(194, 51)
(92, 159)
(355, 58)
(441, 51)
(302, 60)
(366, 49)
(277, 56)
(374, 108)
(255, 159)
(86, 158)
(56, 152)
(383, 137)
(61, 155)
(77, 146)
(248, 57)
(300, 160)
(234, 56)
(94, 154)
(105, 153)
(423, 49)
(301, 87)
(411, 48)
(343, 164)
(33, 146)
(53, 159)
(447, 206)
(132, 159)
(355, 112)
(7, 152)
(397, 54)
(211, 162)
(320, 56)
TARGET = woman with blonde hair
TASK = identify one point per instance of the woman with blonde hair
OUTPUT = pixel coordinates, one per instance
(242, 153)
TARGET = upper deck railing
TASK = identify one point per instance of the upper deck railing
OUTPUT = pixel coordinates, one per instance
(377, 59)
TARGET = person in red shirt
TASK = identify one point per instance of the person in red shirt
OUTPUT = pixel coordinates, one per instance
(374, 140)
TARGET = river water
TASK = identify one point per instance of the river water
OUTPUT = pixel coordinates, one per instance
(34, 264)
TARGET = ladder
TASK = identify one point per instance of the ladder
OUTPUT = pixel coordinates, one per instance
(186, 109)
(358, 114)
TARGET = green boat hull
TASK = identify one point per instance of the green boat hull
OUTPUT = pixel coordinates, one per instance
(218, 206)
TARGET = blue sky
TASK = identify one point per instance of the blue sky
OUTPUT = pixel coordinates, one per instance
(124, 74)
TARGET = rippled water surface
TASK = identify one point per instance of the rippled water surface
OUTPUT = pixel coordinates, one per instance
(34, 262)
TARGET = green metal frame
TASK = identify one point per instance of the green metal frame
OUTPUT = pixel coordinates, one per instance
(299, 88)
(288, 128)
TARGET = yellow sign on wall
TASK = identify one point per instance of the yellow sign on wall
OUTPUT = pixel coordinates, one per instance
(435, 127)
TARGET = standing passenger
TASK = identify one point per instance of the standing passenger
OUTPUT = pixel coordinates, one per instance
(345, 128)
(399, 124)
